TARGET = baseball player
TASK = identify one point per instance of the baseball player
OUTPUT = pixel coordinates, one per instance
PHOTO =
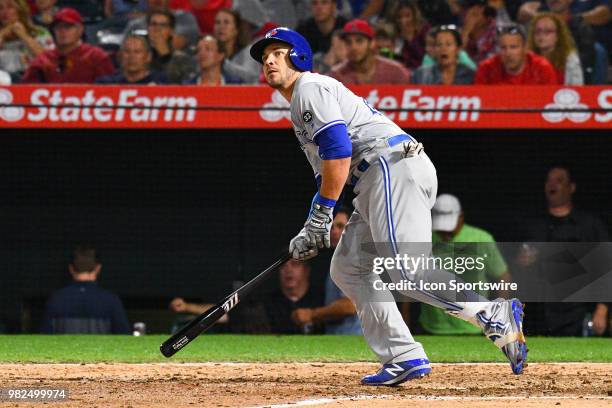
(347, 141)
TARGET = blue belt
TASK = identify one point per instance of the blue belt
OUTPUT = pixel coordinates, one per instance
(394, 140)
(391, 142)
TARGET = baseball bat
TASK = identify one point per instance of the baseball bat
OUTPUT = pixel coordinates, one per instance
(204, 321)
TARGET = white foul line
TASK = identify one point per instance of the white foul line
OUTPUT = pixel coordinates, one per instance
(321, 401)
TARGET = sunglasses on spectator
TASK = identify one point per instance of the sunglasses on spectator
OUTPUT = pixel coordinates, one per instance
(448, 27)
(510, 29)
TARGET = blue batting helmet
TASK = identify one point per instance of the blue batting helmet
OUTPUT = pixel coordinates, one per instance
(300, 53)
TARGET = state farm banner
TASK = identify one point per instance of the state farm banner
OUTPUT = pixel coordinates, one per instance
(259, 107)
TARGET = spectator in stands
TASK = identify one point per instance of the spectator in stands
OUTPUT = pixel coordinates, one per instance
(514, 64)
(83, 307)
(367, 9)
(124, 8)
(46, 9)
(232, 32)
(338, 312)
(294, 294)
(179, 305)
(479, 25)
(447, 70)
(430, 54)
(177, 65)
(595, 13)
(230, 29)
(363, 66)
(252, 12)
(211, 55)
(503, 11)
(135, 59)
(562, 223)
(550, 38)
(412, 30)
(324, 62)
(439, 12)
(186, 30)
(318, 29)
(204, 11)
(286, 13)
(20, 39)
(583, 35)
(449, 228)
(384, 40)
(72, 60)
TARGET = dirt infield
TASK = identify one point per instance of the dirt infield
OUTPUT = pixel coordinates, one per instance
(309, 384)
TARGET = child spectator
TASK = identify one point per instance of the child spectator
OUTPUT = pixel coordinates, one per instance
(46, 9)
(384, 40)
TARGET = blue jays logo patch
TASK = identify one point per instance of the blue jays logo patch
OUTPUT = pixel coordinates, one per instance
(307, 116)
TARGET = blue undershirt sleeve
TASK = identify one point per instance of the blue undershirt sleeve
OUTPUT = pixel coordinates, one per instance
(334, 142)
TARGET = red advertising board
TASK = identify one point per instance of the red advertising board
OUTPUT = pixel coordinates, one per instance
(259, 107)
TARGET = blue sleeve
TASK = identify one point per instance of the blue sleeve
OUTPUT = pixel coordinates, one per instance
(334, 143)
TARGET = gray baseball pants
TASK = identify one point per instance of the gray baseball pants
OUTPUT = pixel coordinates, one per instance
(393, 216)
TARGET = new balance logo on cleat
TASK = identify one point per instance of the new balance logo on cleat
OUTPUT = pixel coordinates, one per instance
(394, 370)
(396, 373)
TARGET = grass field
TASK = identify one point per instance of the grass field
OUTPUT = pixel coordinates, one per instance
(243, 348)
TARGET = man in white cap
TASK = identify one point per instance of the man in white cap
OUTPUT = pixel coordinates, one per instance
(449, 228)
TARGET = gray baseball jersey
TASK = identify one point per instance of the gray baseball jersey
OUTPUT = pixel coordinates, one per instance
(392, 209)
(319, 102)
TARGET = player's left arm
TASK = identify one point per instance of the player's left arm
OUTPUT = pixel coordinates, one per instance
(322, 117)
(333, 177)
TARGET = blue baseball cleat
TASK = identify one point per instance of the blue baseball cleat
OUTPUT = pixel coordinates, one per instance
(505, 329)
(396, 373)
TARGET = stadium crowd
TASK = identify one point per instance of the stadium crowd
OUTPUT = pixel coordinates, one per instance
(356, 41)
